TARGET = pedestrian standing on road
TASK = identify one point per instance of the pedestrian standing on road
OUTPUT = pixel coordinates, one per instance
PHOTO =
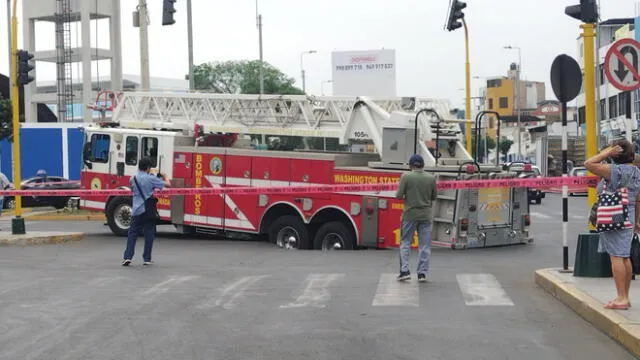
(619, 172)
(142, 185)
(418, 190)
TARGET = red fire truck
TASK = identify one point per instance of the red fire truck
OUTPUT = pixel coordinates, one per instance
(200, 141)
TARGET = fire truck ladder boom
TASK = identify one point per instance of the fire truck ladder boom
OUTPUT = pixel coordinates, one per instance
(345, 118)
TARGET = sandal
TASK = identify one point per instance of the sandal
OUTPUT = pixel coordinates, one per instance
(612, 306)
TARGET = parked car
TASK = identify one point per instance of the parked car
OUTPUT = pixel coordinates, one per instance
(526, 171)
(43, 183)
(577, 189)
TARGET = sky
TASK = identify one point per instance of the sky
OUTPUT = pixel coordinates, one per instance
(429, 59)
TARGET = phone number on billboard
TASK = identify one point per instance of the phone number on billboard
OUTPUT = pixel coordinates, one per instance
(364, 67)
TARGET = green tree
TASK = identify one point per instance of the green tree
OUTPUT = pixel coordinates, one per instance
(491, 144)
(6, 125)
(505, 146)
(242, 77)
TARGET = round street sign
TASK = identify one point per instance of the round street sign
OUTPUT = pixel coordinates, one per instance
(621, 64)
(566, 78)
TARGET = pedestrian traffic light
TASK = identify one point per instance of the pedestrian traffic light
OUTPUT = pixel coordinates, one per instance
(586, 12)
(455, 14)
(24, 67)
(168, 10)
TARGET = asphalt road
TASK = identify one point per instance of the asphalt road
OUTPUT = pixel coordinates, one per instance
(218, 299)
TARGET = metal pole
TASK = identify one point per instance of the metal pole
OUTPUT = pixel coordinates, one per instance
(9, 33)
(260, 45)
(304, 87)
(597, 80)
(144, 45)
(565, 199)
(190, 41)
(467, 69)
(17, 223)
(518, 107)
(589, 87)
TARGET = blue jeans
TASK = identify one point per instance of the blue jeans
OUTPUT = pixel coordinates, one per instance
(148, 228)
(424, 244)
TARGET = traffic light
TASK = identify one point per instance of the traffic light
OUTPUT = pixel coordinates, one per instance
(24, 67)
(586, 12)
(455, 14)
(168, 9)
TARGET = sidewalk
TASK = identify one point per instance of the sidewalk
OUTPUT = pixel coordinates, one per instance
(587, 296)
(38, 238)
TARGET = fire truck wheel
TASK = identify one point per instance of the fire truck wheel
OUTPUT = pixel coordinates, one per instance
(119, 215)
(289, 232)
(333, 236)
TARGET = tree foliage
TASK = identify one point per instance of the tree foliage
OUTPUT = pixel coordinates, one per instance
(242, 77)
(505, 146)
(6, 124)
(490, 145)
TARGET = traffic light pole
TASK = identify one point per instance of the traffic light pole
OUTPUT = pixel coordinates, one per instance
(17, 223)
(467, 70)
(144, 45)
(588, 35)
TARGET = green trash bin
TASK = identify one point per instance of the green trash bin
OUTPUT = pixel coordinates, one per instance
(589, 262)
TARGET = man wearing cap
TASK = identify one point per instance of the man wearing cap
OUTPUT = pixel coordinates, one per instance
(418, 190)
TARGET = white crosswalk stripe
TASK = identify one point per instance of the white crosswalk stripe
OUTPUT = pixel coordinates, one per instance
(316, 292)
(391, 292)
(482, 290)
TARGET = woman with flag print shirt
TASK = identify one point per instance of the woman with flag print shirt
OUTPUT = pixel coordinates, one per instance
(620, 171)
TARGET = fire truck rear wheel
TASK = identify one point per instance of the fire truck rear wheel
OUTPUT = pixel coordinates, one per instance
(119, 215)
(289, 232)
(334, 236)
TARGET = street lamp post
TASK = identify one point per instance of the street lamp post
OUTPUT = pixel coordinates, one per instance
(304, 87)
(259, 25)
(518, 97)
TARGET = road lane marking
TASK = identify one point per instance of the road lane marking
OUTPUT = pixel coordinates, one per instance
(391, 292)
(164, 286)
(315, 293)
(482, 290)
(233, 292)
(539, 215)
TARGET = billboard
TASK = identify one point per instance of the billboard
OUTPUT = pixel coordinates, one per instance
(364, 73)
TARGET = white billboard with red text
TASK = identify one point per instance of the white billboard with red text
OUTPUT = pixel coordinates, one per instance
(364, 73)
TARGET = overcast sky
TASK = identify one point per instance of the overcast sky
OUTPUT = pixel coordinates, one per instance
(430, 60)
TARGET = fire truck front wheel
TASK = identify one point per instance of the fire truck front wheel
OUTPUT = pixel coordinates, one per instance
(119, 215)
(289, 232)
(334, 235)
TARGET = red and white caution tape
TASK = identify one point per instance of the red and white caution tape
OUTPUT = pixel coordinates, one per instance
(540, 183)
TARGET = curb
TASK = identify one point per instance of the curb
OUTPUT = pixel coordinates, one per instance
(61, 217)
(616, 326)
(34, 239)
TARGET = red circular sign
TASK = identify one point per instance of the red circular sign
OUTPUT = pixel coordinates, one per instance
(622, 73)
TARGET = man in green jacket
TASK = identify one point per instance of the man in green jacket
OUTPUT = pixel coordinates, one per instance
(418, 190)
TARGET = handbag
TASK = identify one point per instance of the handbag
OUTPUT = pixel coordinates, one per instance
(150, 205)
(635, 255)
(612, 210)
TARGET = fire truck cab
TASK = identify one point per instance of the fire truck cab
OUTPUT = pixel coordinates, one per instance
(201, 141)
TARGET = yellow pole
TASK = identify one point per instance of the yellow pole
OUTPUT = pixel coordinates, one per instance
(15, 105)
(467, 70)
(588, 34)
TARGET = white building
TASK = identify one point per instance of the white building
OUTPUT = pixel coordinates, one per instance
(67, 15)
